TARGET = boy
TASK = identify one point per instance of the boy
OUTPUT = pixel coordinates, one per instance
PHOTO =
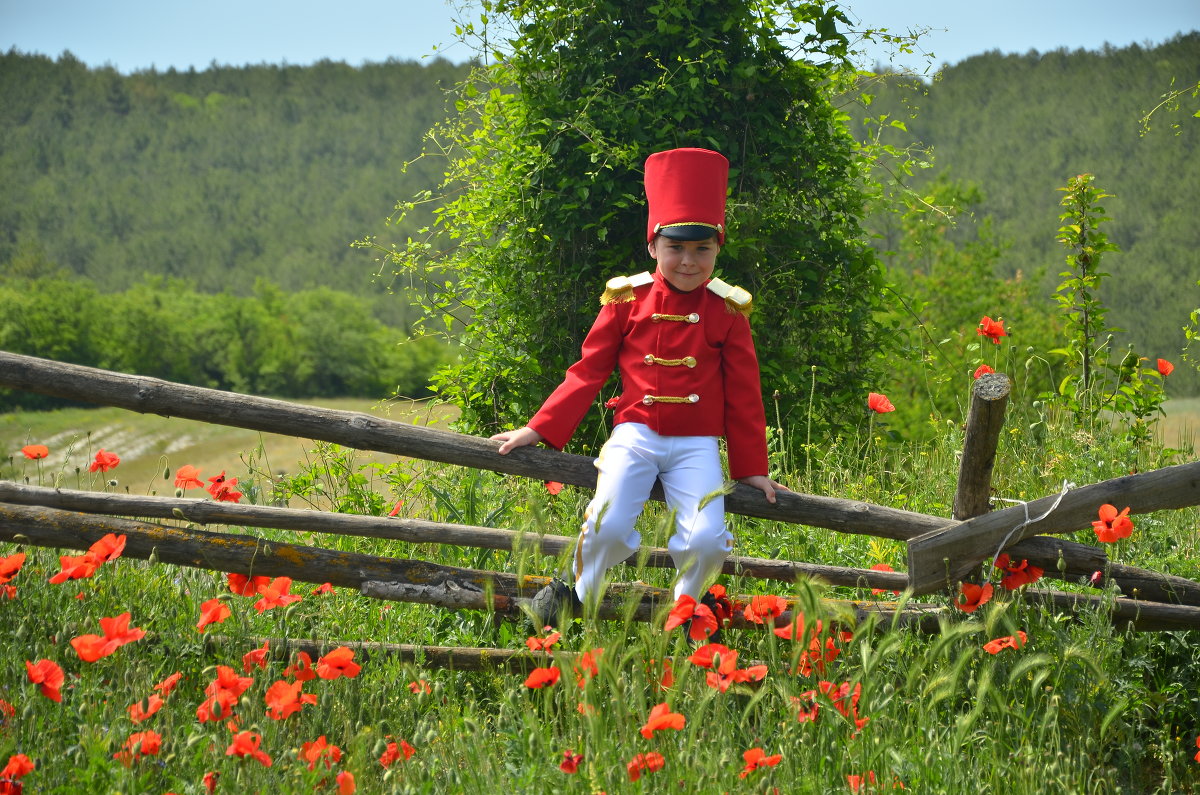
(689, 375)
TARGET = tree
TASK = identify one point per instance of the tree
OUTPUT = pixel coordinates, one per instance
(542, 195)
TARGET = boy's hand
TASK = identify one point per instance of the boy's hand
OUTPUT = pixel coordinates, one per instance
(520, 438)
(765, 485)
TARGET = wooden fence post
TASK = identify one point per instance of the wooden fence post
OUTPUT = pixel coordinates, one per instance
(989, 397)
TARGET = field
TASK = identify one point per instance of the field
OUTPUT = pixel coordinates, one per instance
(151, 447)
(1010, 698)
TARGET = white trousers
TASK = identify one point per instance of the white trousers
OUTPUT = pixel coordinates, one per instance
(690, 470)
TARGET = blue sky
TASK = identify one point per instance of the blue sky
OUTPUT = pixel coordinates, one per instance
(136, 34)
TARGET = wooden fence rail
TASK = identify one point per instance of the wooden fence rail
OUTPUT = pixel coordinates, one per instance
(940, 550)
(365, 432)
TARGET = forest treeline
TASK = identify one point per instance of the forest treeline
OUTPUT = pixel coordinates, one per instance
(1010, 130)
(253, 181)
(309, 343)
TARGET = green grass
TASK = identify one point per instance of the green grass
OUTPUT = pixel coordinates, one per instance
(1083, 707)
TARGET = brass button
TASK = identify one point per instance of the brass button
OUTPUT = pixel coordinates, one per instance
(648, 400)
(693, 318)
(690, 361)
(649, 358)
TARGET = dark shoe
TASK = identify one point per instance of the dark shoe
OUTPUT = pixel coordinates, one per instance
(554, 603)
(720, 609)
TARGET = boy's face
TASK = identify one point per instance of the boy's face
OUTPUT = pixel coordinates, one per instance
(685, 264)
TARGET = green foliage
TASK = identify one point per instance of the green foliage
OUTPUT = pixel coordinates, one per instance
(542, 191)
(1101, 380)
(222, 176)
(943, 269)
(1018, 125)
(313, 343)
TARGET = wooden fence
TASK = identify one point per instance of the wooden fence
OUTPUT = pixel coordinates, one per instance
(940, 550)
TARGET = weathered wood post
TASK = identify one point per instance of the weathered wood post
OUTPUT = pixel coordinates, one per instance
(985, 418)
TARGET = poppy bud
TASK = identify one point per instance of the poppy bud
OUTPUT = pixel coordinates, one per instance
(1097, 579)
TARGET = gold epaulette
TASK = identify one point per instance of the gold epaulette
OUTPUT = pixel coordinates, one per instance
(736, 298)
(620, 288)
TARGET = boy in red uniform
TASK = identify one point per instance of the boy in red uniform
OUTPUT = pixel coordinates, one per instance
(689, 375)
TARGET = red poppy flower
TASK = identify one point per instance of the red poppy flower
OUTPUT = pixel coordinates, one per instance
(345, 783)
(320, 751)
(167, 685)
(1007, 642)
(881, 567)
(145, 708)
(36, 451)
(108, 547)
(650, 761)
(116, 629)
(9, 566)
(1112, 526)
(224, 491)
(727, 673)
(302, 670)
(242, 585)
(74, 567)
(720, 597)
(585, 666)
(228, 680)
(992, 329)
(139, 744)
(542, 644)
(284, 698)
(339, 662)
(663, 676)
(1017, 574)
(322, 589)
(612, 402)
(420, 687)
(395, 752)
(661, 717)
(570, 762)
(214, 611)
(553, 486)
(1165, 368)
(276, 595)
(247, 744)
(542, 677)
(18, 766)
(879, 403)
(982, 369)
(188, 477)
(1198, 746)
(256, 658)
(48, 676)
(763, 608)
(971, 596)
(702, 621)
(857, 782)
(843, 698)
(104, 461)
(210, 781)
(756, 758)
(218, 706)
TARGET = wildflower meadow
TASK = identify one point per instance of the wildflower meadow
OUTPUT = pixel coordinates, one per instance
(134, 676)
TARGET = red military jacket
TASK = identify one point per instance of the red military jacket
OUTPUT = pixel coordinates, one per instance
(688, 368)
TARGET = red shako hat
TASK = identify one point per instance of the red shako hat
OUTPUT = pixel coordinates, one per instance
(685, 189)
